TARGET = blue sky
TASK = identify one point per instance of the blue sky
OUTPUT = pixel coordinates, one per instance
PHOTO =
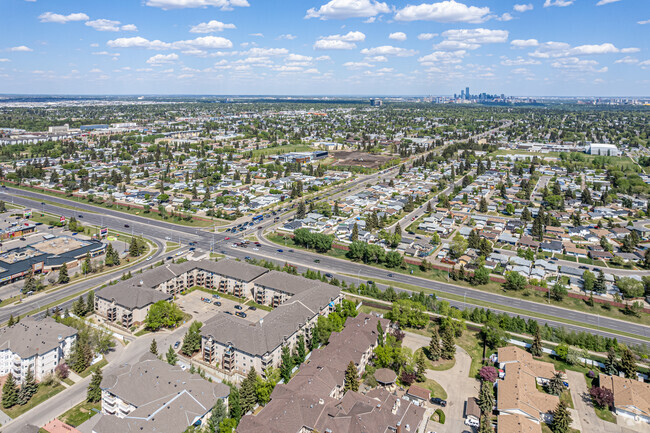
(320, 47)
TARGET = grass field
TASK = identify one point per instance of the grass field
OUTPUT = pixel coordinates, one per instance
(81, 413)
(44, 392)
(90, 370)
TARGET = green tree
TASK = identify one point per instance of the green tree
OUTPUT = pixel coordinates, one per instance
(448, 343)
(63, 275)
(559, 291)
(486, 397)
(409, 314)
(355, 233)
(301, 350)
(287, 364)
(515, 281)
(589, 280)
(90, 302)
(192, 339)
(421, 367)
(94, 388)
(217, 414)
(458, 246)
(556, 386)
(153, 347)
(302, 210)
(483, 206)
(481, 276)
(86, 266)
(351, 380)
(247, 392)
(9, 392)
(172, 357)
(630, 287)
(228, 425)
(610, 362)
(628, 363)
(163, 314)
(536, 347)
(510, 209)
(561, 418)
(30, 282)
(435, 351)
(234, 404)
(599, 286)
(28, 388)
(485, 425)
(79, 307)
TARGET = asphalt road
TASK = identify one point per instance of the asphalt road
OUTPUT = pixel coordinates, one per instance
(160, 229)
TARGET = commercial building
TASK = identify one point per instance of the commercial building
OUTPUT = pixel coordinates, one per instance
(37, 344)
(631, 397)
(603, 149)
(45, 256)
(153, 396)
(314, 399)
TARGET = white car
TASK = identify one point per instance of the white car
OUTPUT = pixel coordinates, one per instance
(472, 422)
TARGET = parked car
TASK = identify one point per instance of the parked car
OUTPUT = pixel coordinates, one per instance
(238, 307)
(439, 401)
(217, 303)
(240, 314)
(252, 308)
(178, 343)
(316, 260)
(472, 422)
(280, 251)
(329, 275)
(216, 296)
(126, 226)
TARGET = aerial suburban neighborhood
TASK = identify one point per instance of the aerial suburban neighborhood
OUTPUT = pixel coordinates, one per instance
(324, 216)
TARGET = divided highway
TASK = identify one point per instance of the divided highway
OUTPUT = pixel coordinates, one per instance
(303, 259)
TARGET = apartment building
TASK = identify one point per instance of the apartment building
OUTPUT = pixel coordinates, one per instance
(236, 344)
(631, 397)
(314, 399)
(153, 396)
(228, 276)
(517, 393)
(127, 302)
(37, 344)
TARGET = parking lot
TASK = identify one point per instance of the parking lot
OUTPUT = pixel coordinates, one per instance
(202, 311)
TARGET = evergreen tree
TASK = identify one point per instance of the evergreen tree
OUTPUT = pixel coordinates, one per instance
(9, 392)
(63, 275)
(287, 364)
(301, 350)
(11, 321)
(90, 302)
(561, 419)
(628, 364)
(171, 356)
(355, 233)
(192, 339)
(435, 351)
(536, 347)
(351, 379)
(599, 285)
(525, 215)
(485, 425)
(234, 404)
(421, 367)
(28, 388)
(486, 397)
(302, 211)
(610, 362)
(247, 393)
(448, 343)
(153, 348)
(30, 282)
(134, 248)
(79, 307)
(218, 414)
(94, 388)
(86, 266)
(483, 206)
(81, 354)
(473, 240)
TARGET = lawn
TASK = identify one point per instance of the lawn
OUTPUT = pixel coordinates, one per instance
(171, 246)
(90, 370)
(439, 365)
(80, 413)
(470, 342)
(44, 392)
(434, 387)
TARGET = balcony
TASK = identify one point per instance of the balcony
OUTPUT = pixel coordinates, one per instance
(208, 354)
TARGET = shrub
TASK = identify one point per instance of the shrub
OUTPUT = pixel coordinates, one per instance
(441, 416)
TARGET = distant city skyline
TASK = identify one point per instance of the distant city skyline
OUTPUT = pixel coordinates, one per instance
(571, 48)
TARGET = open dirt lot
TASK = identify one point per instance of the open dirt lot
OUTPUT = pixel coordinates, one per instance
(359, 158)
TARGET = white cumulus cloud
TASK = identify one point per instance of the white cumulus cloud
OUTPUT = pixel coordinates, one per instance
(397, 36)
(343, 9)
(327, 44)
(51, 17)
(182, 4)
(523, 7)
(558, 3)
(205, 42)
(388, 50)
(211, 27)
(20, 48)
(476, 36)
(103, 25)
(427, 36)
(521, 43)
(442, 57)
(448, 11)
(160, 59)
(606, 2)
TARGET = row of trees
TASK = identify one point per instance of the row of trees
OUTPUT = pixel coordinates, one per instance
(317, 241)
(371, 253)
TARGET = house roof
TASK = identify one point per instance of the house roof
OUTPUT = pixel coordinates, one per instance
(130, 295)
(419, 392)
(631, 395)
(517, 424)
(31, 337)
